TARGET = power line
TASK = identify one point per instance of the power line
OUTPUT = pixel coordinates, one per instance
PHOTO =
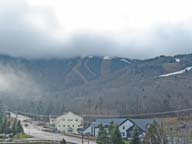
(114, 115)
(141, 114)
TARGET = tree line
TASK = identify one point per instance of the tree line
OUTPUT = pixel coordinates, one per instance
(111, 135)
(8, 127)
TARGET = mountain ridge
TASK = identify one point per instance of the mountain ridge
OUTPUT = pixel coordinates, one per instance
(95, 84)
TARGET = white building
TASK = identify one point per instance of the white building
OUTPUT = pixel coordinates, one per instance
(19, 117)
(68, 123)
(52, 120)
(122, 123)
(124, 126)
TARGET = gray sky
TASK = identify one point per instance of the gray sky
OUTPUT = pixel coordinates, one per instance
(125, 28)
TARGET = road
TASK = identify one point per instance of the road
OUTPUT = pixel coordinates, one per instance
(33, 130)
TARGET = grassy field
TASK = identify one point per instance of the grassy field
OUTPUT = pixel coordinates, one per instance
(43, 143)
(126, 142)
(22, 135)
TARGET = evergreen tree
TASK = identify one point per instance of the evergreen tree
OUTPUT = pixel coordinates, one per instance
(63, 141)
(8, 129)
(14, 130)
(19, 127)
(116, 137)
(135, 139)
(1, 124)
(114, 134)
(4, 125)
(102, 137)
(156, 134)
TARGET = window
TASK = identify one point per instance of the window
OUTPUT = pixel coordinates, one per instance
(123, 127)
(63, 125)
(76, 120)
(123, 134)
(73, 126)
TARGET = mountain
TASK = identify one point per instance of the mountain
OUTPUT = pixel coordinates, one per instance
(96, 84)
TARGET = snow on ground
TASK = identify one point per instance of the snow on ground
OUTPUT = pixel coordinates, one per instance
(126, 61)
(177, 72)
(177, 60)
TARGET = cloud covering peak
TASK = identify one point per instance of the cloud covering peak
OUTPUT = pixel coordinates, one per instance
(36, 31)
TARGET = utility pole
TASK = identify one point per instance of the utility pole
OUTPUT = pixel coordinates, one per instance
(82, 139)
(88, 138)
(171, 130)
(137, 103)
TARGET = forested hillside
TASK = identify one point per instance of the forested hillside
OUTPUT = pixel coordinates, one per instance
(96, 84)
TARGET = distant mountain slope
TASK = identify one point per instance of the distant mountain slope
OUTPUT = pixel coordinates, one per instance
(177, 72)
(96, 84)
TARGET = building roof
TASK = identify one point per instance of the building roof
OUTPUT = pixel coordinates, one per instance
(108, 121)
(140, 123)
(143, 123)
(65, 113)
(68, 114)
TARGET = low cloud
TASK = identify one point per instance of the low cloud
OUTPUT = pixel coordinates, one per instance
(18, 83)
(20, 37)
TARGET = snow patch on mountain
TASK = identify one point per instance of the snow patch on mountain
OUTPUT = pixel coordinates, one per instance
(126, 61)
(90, 57)
(177, 60)
(177, 72)
(107, 58)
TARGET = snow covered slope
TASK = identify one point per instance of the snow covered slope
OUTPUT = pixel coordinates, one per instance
(126, 61)
(177, 72)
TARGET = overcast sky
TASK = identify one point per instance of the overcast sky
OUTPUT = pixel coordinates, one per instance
(68, 28)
